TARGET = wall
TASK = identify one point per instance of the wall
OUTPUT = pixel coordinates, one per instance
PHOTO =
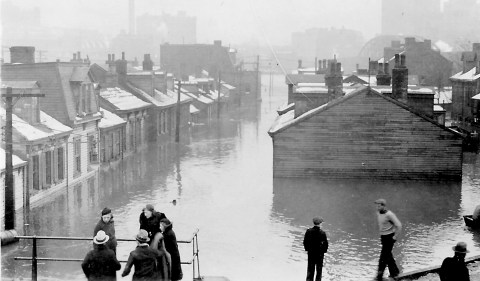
(367, 136)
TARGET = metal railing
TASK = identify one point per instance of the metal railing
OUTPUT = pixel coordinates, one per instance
(194, 261)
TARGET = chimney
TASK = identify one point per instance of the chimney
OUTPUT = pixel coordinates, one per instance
(476, 49)
(121, 67)
(409, 42)
(147, 63)
(111, 63)
(383, 77)
(373, 67)
(217, 43)
(22, 54)
(78, 56)
(109, 59)
(324, 64)
(299, 64)
(400, 79)
(421, 102)
(74, 57)
(334, 80)
(428, 44)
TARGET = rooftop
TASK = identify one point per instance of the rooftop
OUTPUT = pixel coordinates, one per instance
(121, 99)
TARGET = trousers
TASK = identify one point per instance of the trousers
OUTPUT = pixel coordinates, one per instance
(386, 256)
(314, 261)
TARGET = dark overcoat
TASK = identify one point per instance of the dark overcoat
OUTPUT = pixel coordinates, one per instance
(100, 264)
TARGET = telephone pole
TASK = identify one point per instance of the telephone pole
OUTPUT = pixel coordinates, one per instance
(177, 123)
(9, 189)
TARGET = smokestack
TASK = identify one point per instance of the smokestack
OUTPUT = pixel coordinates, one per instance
(131, 17)
(400, 79)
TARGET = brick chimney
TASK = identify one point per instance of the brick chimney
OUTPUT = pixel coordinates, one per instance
(121, 67)
(383, 77)
(22, 54)
(111, 77)
(147, 63)
(334, 80)
(400, 79)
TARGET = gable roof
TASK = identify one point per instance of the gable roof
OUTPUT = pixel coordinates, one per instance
(287, 120)
(122, 100)
(110, 119)
(468, 76)
(16, 161)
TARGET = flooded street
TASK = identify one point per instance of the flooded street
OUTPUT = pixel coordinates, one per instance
(251, 225)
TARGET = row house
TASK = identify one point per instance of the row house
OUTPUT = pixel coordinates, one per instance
(363, 132)
(112, 136)
(206, 105)
(131, 109)
(466, 90)
(71, 100)
(40, 140)
(19, 182)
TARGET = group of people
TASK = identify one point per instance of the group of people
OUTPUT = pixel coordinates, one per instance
(315, 242)
(156, 256)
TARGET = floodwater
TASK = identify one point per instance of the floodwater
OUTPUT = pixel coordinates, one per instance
(251, 225)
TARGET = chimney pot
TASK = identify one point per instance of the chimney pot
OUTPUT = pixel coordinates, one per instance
(402, 60)
(339, 67)
(397, 60)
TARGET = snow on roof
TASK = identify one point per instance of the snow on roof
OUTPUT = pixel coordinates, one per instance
(110, 119)
(437, 108)
(193, 109)
(16, 161)
(228, 86)
(47, 127)
(19, 84)
(121, 99)
(470, 75)
(282, 121)
(304, 90)
(476, 97)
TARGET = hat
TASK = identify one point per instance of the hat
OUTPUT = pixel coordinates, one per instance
(142, 236)
(106, 211)
(100, 238)
(166, 221)
(461, 247)
(317, 220)
(149, 207)
(381, 201)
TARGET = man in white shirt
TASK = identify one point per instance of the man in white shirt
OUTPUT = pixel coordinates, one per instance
(390, 227)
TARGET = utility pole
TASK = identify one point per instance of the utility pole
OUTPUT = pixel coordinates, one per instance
(219, 87)
(258, 78)
(177, 123)
(9, 190)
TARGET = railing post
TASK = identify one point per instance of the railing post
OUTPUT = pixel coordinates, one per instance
(193, 259)
(198, 259)
(34, 259)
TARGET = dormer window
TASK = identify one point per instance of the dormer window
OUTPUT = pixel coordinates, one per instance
(83, 93)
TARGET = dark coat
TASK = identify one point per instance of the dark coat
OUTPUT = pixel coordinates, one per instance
(151, 224)
(454, 269)
(144, 259)
(100, 264)
(109, 229)
(315, 241)
(172, 247)
(164, 268)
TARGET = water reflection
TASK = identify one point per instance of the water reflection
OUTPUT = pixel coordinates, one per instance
(425, 208)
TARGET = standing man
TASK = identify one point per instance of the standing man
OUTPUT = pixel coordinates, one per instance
(150, 220)
(143, 258)
(390, 227)
(316, 244)
(172, 248)
(100, 263)
(454, 268)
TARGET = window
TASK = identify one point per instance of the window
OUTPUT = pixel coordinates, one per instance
(92, 149)
(35, 173)
(102, 149)
(118, 142)
(77, 155)
(48, 167)
(60, 164)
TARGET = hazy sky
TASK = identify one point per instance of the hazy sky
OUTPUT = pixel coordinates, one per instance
(232, 21)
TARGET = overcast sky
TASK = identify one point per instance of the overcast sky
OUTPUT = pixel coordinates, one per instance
(232, 21)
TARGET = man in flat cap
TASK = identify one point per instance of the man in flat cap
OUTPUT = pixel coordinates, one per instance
(316, 244)
(390, 227)
(454, 268)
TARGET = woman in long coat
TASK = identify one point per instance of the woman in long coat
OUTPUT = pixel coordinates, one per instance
(164, 268)
(172, 248)
(107, 224)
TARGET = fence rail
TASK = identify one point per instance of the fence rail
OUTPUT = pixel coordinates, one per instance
(34, 258)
